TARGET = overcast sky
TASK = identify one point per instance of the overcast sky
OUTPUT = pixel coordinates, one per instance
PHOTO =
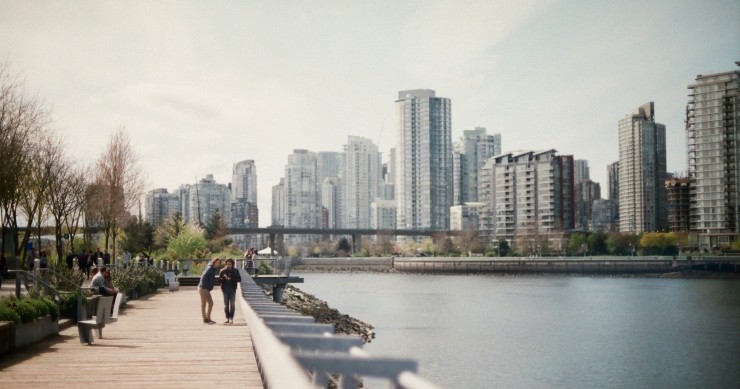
(201, 85)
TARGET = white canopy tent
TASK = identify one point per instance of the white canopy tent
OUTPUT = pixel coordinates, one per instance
(267, 251)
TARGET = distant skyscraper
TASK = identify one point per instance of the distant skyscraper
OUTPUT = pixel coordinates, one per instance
(361, 174)
(423, 187)
(278, 203)
(679, 200)
(302, 206)
(244, 211)
(331, 193)
(581, 170)
(476, 148)
(642, 172)
(713, 139)
(208, 197)
(159, 205)
(612, 184)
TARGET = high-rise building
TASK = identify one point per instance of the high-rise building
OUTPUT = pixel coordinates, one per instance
(331, 192)
(302, 205)
(713, 140)
(278, 204)
(529, 195)
(159, 205)
(361, 175)
(206, 198)
(244, 211)
(424, 193)
(678, 196)
(586, 191)
(612, 184)
(475, 148)
(581, 170)
(642, 172)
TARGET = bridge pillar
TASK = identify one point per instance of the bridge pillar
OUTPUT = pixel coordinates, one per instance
(272, 242)
(356, 243)
(280, 245)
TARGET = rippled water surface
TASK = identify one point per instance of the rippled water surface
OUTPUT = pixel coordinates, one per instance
(548, 332)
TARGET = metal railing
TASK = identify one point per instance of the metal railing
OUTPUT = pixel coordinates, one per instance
(35, 275)
(293, 351)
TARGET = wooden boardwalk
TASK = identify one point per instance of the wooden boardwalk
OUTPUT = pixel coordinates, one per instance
(159, 341)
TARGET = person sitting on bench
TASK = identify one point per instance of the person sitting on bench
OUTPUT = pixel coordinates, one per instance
(99, 285)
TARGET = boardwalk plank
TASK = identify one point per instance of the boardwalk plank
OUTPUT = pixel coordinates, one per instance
(159, 341)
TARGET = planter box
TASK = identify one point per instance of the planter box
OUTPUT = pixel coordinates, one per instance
(27, 333)
(13, 336)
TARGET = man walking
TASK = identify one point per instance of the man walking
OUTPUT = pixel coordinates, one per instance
(230, 278)
(205, 286)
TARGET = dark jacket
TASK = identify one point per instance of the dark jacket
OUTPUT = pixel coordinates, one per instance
(208, 278)
(229, 278)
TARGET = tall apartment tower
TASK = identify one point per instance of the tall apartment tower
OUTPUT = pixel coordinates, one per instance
(331, 192)
(278, 204)
(244, 211)
(581, 170)
(302, 205)
(528, 195)
(477, 148)
(642, 172)
(424, 191)
(361, 175)
(713, 143)
(612, 187)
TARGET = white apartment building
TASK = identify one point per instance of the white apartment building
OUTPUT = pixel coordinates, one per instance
(361, 177)
(383, 214)
(302, 206)
(465, 217)
(713, 140)
(423, 188)
(642, 172)
(331, 194)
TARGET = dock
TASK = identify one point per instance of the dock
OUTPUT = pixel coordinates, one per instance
(159, 341)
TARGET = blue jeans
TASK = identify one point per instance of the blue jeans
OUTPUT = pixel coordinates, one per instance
(229, 302)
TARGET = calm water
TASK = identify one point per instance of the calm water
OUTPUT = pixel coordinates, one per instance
(548, 332)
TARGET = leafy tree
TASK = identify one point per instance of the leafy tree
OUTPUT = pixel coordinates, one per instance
(620, 244)
(168, 229)
(216, 226)
(658, 243)
(189, 243)
(343, 247)
(503, 248)
(138, 236)
(578, 244)
(597, 243)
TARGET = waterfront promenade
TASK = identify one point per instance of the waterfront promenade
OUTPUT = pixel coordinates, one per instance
(159, 341)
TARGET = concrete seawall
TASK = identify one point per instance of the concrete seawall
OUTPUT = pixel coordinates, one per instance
(539, 265)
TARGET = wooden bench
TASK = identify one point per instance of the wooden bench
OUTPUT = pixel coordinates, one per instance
(85, 327)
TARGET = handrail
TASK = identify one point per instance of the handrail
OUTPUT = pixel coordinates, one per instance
(48, 286)
(288, 345)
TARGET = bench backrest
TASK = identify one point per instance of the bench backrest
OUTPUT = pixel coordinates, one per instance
(116, 307)
(169, 277)
(103, 312)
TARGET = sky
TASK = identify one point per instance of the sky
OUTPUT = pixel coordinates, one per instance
(198, 86)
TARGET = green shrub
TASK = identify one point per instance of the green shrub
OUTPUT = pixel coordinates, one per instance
(8, 314)
(68, 305)
(40, 307)
(52, 307)
(26, 310)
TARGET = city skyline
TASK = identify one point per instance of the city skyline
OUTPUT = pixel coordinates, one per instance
(199, 88)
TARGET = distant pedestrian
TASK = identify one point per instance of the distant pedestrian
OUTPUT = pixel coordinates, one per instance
(126, 258)
(230, 278)
(205, 286)
(70, 260)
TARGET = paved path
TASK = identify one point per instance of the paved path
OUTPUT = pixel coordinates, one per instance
(159, 341)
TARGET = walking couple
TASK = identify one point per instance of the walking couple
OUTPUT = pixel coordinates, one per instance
(230, 278)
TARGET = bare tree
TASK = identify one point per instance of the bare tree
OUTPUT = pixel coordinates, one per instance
(119, 181)
(22, 120)
(63, 202)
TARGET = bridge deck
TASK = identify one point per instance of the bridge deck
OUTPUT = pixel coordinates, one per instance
(159, 342)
